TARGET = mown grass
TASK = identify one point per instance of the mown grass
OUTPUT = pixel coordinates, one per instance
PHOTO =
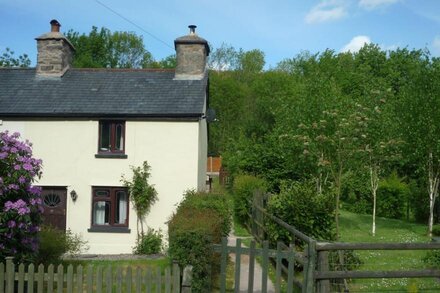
(357, 228)
(123, 263)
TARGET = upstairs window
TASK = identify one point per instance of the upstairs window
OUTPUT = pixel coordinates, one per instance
(111, 137)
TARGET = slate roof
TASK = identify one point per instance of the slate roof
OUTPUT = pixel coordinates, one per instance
(100, 93)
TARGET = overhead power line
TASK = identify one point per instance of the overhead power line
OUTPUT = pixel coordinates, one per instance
(136, 25)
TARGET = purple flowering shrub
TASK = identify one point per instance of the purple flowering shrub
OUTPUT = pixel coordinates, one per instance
(20, 202)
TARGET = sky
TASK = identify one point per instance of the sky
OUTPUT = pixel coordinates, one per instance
(280, 28)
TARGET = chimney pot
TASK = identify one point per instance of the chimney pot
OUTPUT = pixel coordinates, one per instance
(192, 29)
(55, 26)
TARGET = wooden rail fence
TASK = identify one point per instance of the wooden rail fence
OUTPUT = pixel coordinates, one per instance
(316, 274)
(30, 279)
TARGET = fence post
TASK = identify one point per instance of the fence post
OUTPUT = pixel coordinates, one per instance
(187, 279)
(311, 262)
(10, 274)
(254, 217)
(323, 266)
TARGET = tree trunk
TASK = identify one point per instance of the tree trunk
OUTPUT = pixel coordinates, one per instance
(374, 184)
(373, 230)
(433, 177)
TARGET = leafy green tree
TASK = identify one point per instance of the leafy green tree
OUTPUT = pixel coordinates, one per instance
(251, 61)
(105, 49)
(7, 59)
(142, 194)
(224, 58)
(417, 109)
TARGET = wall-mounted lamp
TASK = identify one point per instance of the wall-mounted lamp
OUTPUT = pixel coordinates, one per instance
(73, 195)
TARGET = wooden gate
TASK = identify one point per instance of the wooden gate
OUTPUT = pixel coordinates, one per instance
(283, 259)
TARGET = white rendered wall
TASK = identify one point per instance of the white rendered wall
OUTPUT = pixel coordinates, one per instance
(174, 150)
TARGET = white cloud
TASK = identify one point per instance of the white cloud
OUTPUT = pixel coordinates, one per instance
(327, 10)
(356, 44)
(436, 45)
(372, 4)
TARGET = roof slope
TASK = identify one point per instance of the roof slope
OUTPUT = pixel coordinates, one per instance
(100, 93)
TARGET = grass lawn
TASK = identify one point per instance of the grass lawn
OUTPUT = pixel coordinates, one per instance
(141, 263)
(357, 228)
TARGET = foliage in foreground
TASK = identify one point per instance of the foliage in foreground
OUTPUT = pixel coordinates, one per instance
(301, 206)
(149, 243)
(55, 243)
(200, 220)
(20, 201)
(243, 191)
(142, 194)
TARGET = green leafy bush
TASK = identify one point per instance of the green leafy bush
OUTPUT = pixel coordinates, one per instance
(436, 230)
(192, 232)
(149, 243)
(432, 259)
(356, 194)
(243, 192)
(299, 205)
(392, 197)
(55, 243)
(211, 202)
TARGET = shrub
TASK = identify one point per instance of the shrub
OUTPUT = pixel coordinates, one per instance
(432, 259)
(191, 235)
(243, 192)
(149, 243)
(392, 197)
(201, 219)
(302, 207)
(209, 201)
(356, 194)
(55, 243)
(436, 230)
(20, 202)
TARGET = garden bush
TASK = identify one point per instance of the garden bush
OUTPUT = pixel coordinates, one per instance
(201, 219)
(149, 243)
(392, 196)
(191, 235)
(436, 230)
(243, 192)
(299, 205)
(210, 201)
(55, 243)
(356, 194)
(20, 202)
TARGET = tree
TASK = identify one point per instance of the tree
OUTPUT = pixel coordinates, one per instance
(20, 201)
(106, 49)
(167, 62)
(7, 59)
(224, 58)
(142, 194)
(377, 146)
(251, 61)
(419, 118)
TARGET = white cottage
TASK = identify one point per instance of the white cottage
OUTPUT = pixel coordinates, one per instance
(90, 125)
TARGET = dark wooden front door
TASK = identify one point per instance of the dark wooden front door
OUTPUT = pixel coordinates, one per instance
(54, 203)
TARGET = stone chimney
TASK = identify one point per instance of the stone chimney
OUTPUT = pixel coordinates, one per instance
(55, 52)
(191, 54)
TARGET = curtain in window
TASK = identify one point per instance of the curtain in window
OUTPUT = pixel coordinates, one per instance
(121, 198)
(99, 211)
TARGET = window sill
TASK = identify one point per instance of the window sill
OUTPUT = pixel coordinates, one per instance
(108, 229)
(111, 156)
